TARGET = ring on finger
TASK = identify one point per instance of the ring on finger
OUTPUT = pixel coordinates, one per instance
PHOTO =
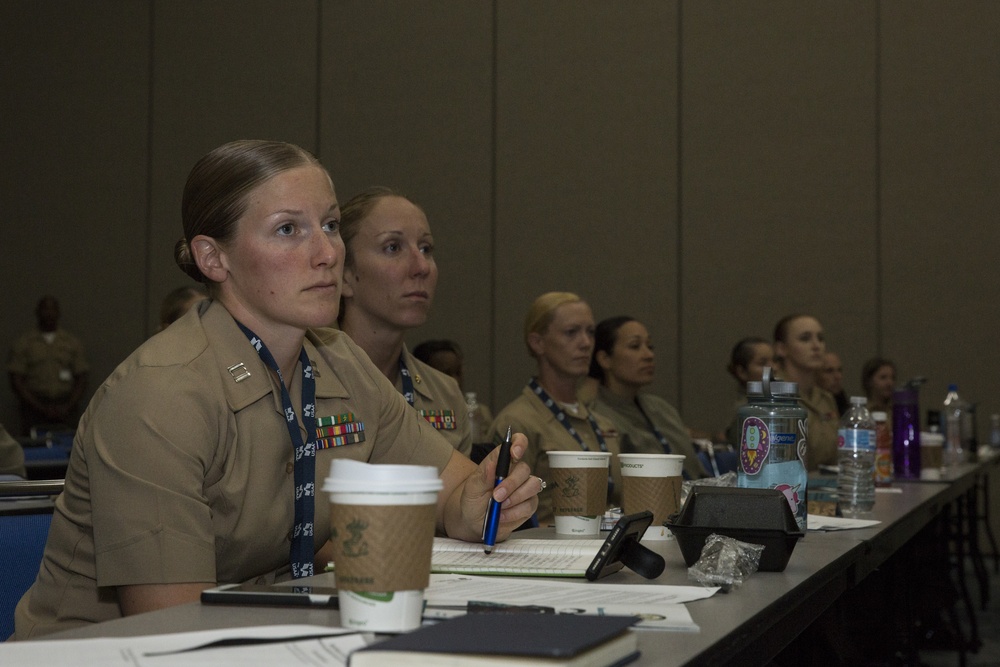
(542, 484)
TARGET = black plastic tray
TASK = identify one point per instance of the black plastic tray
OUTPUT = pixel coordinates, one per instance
(757, 516)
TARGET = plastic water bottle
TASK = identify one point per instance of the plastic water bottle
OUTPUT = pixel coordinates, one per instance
(856, 459)
(472, 410)
(953, 416)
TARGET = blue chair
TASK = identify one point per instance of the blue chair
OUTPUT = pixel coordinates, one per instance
(25, 517)
(717, 459)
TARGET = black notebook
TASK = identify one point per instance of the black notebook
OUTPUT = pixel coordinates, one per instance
(509, 639)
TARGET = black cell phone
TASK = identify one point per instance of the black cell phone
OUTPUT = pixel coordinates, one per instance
(622, 548)
(265, 594)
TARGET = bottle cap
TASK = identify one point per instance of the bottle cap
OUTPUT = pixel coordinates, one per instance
(880, 416)
(859, 400)
(769, 388)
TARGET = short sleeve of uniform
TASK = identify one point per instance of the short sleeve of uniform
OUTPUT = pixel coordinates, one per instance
(149, 447)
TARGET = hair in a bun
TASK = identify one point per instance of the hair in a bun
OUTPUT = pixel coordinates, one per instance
(215, 195)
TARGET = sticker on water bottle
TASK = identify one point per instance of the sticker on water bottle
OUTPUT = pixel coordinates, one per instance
(755, 443)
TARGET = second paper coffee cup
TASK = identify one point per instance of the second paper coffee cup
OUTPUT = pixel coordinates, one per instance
(652, 482)
(580, 493)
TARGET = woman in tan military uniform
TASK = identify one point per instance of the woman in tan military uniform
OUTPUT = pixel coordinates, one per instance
(389, 280)
(559, 333)
(799, 346)
(624, 363)
(198, 460)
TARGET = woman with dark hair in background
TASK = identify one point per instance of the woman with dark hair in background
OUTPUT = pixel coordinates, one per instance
(878, 377)
(197, 461)
(624, 363)
(799, 345)
(390, 276)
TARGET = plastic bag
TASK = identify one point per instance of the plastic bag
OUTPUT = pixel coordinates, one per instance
(725, 562)
(725, 479)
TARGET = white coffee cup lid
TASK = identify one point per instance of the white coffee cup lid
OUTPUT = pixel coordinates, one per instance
(351, 476)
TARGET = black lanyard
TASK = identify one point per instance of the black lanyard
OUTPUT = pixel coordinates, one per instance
(659, 436)
(303, 550)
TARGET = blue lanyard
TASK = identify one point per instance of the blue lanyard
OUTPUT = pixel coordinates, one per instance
(303, 549)
(544, 397)
(404, 376)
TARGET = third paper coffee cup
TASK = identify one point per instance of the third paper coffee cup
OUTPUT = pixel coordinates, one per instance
(382, 520)
(580, 491)
(652, 482)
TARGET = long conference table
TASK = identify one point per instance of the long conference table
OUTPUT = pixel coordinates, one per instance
(749, 625)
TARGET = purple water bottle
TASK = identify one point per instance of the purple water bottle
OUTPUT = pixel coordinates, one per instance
(906, 433)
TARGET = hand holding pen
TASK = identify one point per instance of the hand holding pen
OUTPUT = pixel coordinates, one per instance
(492, 522)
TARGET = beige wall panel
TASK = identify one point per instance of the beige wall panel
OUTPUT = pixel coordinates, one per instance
(222, 70)
(407, 102)
(586, 169)
(73, 138)
(940, 169)
(778, 142)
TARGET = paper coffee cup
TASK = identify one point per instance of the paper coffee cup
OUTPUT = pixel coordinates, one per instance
(382, 519)
(931, 455)
(579, 482)
(652, 482)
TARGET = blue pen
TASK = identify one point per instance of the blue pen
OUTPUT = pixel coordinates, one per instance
(492, 522)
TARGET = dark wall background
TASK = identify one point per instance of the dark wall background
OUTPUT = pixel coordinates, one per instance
(705, 166)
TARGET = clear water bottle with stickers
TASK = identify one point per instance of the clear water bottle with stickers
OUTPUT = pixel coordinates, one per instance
(773, 428)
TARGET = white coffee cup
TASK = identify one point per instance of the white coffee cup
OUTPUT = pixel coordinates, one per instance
(659, 472)
(931, 455)
(562, 464)
(363, 492)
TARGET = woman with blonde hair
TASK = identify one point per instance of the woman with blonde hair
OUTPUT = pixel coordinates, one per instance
(390, 276)
(559, 334)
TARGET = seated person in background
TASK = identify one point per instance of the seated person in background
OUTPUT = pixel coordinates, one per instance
(831, 378)
(623, 363)
(183, 474)
(178, 302)
(389, 281)
(11, 456)
(746, 364)
(799, 346)
(446, 356)
(48, 371)
(878, 377)
(559, 334)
